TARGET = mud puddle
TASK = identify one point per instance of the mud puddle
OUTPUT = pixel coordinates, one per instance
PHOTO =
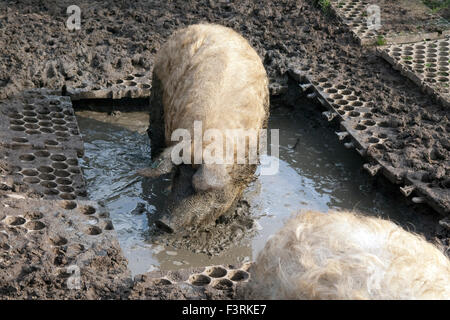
(315, 172)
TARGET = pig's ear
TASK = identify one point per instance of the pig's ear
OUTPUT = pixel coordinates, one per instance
(210, 177)
(161, 165)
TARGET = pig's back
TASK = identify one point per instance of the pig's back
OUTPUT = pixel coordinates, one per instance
(211, 74)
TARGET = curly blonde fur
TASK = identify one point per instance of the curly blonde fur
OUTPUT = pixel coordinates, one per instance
(341, 255)
(210, 73)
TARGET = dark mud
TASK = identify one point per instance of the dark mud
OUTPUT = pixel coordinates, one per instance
(409, 16)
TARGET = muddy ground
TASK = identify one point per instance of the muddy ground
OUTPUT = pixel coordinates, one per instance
(406, 16)
(122, 37)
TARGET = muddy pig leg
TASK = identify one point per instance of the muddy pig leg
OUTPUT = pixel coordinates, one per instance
(161, 161)
(156, 127)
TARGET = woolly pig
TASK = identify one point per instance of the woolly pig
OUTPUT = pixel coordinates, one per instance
(206, 73)
(340, 255)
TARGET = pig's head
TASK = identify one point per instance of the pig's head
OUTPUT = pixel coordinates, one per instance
(200, 195)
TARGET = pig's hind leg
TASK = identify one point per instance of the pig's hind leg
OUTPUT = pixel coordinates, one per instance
(156, 129)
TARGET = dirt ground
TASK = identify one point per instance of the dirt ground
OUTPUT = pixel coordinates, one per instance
(121, 37)
(407, 16)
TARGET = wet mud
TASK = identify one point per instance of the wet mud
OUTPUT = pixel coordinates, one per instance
(312, 174)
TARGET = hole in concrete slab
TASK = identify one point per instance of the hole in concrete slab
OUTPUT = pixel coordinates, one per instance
(15, 116)
(56, 109)
(238, 275)
(35, 215)
(81, 193)
(51, 142)
(31, 180)
(48, 184)
(42, 154)
(30, 113)
(58, 240)
(45, 123)
(30, 172)
(43, 111)
(31, 126)
(66, 189)
(45, 169)
(69, 205)
(60, 128)
(74, 170)
(93, 230)
(60, 165)
(342, 102)
(349, 108)
(31, 120)
(14, 221)
(62, 173)
(46, 130)
(216, 272)
(44, 118)
(360, 127)
(222, 284)
(51, 192)
(17, 128)
(59, 122)
(72, 162)
(62, 134)
(63, 181)
(17, 122)
(58, 157)
(58, 115)
(109, 226)
(199, 280)
(88, 210)
(369, 122)
(27, 157)
(161, 281)
(67, 196)
(32, 132)
(35, 225)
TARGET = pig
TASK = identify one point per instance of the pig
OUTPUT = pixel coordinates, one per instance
(210, 74)
(342, 255)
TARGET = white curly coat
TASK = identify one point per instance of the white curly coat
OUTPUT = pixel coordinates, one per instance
(341, 255)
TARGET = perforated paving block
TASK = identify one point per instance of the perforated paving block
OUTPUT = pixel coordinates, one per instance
(136, 85)
(354, 14)
(59, 250)
(195, 283)
(53, 174)
(368, 134)
(39, 119)
(426, 63)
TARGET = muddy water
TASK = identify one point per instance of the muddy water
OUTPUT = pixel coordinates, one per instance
(316, 172)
